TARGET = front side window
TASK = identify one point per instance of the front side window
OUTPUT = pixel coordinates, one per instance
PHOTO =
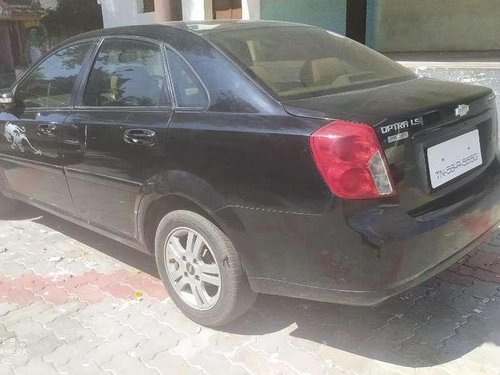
(127, 73)
(189, 91)
(51, 83)
(295, 62)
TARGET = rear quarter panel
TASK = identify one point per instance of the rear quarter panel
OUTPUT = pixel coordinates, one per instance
(255, 161)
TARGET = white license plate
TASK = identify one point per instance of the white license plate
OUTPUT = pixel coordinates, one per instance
(452, 158)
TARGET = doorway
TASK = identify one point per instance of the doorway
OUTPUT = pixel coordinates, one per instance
(356, 20)
(226, 9)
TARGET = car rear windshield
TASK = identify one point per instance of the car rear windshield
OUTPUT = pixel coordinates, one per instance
(295, 62)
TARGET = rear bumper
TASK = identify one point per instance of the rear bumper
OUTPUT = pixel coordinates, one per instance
(361, 256)
(359, 297)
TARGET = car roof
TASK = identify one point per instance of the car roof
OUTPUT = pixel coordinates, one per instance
(163, 30)
(206, 27)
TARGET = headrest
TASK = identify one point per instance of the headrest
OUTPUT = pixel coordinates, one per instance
(322, 71)
(134, 78)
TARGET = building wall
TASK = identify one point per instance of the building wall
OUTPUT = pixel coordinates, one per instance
(129, 12)
(124, 12)
(48, 4)
(251, 9)
(431, 25)
(329, 14)
(196, 10)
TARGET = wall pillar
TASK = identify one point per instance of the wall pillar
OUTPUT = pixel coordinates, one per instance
(168, 10)
(196, 10)
(250, 9)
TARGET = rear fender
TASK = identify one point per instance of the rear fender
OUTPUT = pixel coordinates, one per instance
(185, 185)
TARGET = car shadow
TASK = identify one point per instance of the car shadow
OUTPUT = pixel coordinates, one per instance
(433, 323)
(117, 250)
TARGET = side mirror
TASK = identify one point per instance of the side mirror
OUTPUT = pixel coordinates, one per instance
(6, 100)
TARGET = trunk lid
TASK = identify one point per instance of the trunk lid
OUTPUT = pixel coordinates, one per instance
(411, 118)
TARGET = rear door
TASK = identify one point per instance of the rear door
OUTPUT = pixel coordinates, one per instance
(114, 140)
(30, 139)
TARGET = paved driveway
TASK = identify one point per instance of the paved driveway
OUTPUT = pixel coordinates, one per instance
(73, 302)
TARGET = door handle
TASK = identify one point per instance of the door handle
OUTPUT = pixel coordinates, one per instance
(141, 137)
(47, 130)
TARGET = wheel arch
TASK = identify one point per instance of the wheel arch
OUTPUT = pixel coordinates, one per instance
(154, 208)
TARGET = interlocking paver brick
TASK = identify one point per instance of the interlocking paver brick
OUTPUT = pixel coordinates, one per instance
(5, 369)
(80, 346)
(189, 347)
(435, 332)
(214, 363)
(72, 281)
(124, 364)
(228, 344)
(20, 295)
(302, 361)
(482, 289)
(102, 326)
(456, 278)
(259, 362)
(73, 267)
(88, 293)
(167, 339)
(6, 308)
(81, 366)
(148, 326)
(107, 306)
(176, 320)
(400, 329)
(36, 367)
(466, 304)
(348, 362)
(59, 310)
(167, 363)
(446, 292)
(66, 328)
(128, 342)
(25, 312)
(73, 308)
(28, 331)
(465, 367)
(45, 345)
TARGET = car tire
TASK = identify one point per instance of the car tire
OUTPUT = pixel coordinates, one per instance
(200, 301)
(7, 205)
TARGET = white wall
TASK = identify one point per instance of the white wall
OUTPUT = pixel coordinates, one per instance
(196, 10)
(250, 9)
(124, 12)
(199, 10)
(48, 4)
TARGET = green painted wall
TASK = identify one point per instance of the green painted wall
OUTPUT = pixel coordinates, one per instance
(433, 25)
(329, 14)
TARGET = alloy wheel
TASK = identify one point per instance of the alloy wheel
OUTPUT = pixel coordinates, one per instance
(192, 268)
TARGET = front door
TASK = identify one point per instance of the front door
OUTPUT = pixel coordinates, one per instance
(114, 141)
(30, 136)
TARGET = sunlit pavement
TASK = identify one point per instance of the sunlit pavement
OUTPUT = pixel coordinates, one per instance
(73, 302)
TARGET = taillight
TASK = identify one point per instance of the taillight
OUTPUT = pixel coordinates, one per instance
(351, 161)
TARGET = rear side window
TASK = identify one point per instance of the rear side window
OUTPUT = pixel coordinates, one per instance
(298, 62)
(51, 83)
(127, 73)
(189, 91)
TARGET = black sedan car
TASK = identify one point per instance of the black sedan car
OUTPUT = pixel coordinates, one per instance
(255, 157)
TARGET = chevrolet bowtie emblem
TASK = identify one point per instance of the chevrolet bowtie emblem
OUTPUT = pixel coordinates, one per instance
(461, 110)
